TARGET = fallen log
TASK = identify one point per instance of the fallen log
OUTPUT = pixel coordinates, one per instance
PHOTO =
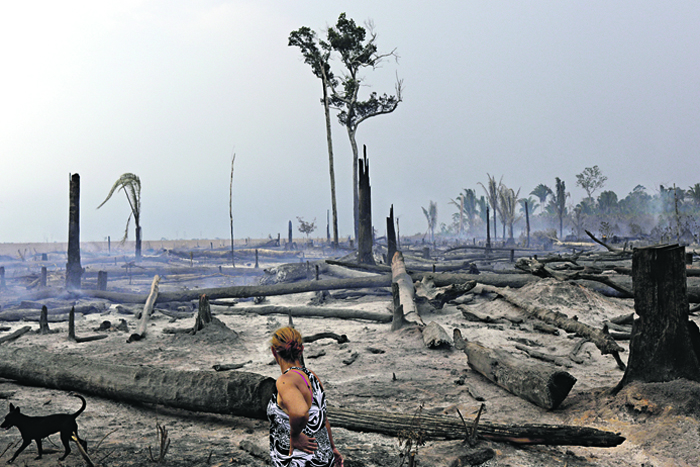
(236, 393)
(247, 394)
(15, 335)
(305, 311)
(605, 343)
(246, 291)
(436, 427)
(405, 292)
(538, 383)
(32, 314)
(383, 268)
(514, 281)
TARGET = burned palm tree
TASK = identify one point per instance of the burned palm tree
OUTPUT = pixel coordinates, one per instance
(431, 216)
(131, 185)
(492, 197)
(508, 202)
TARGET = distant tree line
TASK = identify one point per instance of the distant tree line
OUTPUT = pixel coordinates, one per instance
(669, 215)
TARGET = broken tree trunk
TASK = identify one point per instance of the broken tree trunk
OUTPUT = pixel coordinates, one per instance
(452, 428)
(73, 268)
(238, 393)
(71, 331)
(390, 236)
(147, 309)
(539, 383)
(604, 342)
(661, 346)
(365, 237)
(608, 247)
(405, 294)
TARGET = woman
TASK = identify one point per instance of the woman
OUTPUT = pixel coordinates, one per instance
(300, 434)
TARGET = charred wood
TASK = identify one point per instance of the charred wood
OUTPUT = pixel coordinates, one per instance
(540, 384)
(605, 343)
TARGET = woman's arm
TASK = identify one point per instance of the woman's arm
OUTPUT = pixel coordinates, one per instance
(336, 453)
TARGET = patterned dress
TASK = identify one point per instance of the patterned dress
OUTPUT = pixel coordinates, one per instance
(315, 428)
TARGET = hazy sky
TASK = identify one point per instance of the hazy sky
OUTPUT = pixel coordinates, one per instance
(167, 90)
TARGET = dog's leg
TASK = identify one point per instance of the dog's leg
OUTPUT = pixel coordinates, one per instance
(65, 438)
(25, 443)
(81, 441)
(38, 445)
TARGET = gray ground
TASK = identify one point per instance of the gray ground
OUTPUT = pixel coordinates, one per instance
(391, 371)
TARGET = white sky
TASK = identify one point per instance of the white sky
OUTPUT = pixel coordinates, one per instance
(528, 91)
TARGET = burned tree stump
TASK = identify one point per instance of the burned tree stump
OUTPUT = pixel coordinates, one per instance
(365, 232)
(203, 315)
(102, 280)
(44, 321)
(661, 347)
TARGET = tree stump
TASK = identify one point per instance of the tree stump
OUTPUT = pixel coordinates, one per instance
(44, 322)
(203, 315)
(102, 280)
(661, 346)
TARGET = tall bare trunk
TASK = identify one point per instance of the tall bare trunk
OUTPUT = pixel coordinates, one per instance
(355, 192)
(138, 242)
(331, 169)
(230, 209)
(73, 268)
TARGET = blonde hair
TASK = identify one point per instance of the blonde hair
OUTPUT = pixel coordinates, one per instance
(287, 343)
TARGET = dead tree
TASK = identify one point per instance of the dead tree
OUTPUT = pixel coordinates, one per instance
(390, 236)
(365, 231)
(664, 344)
(73, 268)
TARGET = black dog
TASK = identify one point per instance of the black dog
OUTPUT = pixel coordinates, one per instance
(36, 428)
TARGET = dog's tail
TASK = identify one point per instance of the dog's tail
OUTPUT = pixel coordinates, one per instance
(80, 410)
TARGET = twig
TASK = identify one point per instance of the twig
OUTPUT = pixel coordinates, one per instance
(103, 438)
(164, 444)
(11, 445)
(472, 436)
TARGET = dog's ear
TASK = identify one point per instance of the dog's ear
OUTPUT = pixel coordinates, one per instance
(12, 407)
